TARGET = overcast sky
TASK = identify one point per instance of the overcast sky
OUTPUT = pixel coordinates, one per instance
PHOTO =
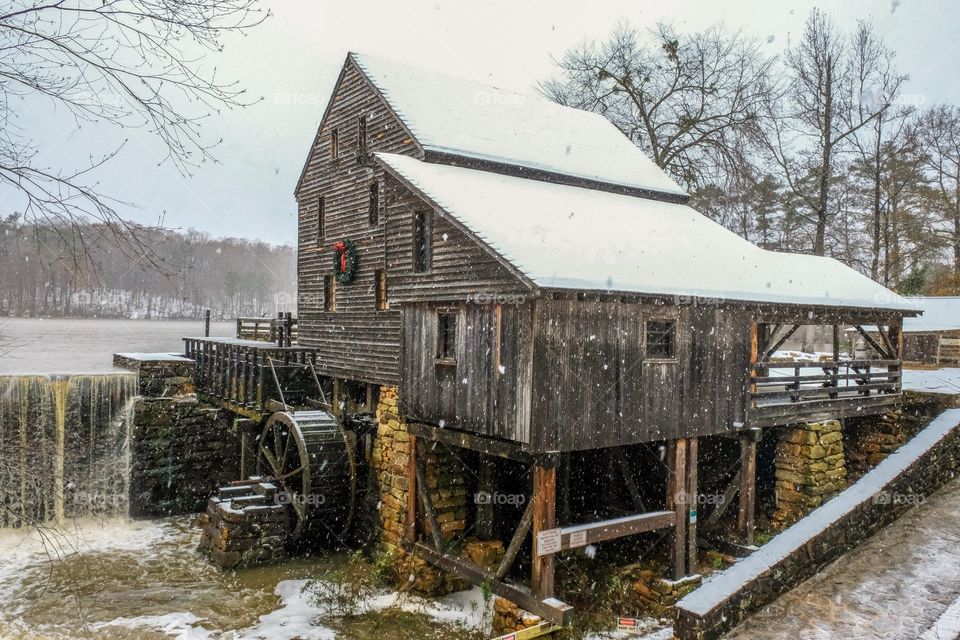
(293, 60)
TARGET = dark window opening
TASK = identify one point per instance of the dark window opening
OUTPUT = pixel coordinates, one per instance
(381, 290)
(362, 135)
(446, 337)
(321, 219)
(374, 204)
(661, 338)
(422, 240)
(329, 293)
(334, 144)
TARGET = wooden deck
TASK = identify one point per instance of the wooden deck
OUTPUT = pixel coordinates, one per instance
(246, 376)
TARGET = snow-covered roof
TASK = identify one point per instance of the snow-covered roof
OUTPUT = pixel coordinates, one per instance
(940, 313)
(567, 237)
(471, 119)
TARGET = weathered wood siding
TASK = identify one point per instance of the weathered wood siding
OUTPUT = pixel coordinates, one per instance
(461, 269)
(593, 386)
(485, 392)
(356, 341)
(575, 375)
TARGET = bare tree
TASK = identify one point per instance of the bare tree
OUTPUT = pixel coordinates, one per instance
(811, 122)
(939, 134)
(688, 101)
(132, 64)
(878, 145)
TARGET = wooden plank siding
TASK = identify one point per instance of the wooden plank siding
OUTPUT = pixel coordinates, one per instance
(475, 394)
(355, 341)
(594, 386)
(461, 269)
(575, 375)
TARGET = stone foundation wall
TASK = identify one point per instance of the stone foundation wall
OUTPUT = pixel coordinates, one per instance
(810, 468)
(868, 441)
(446, 485)
(181, 451)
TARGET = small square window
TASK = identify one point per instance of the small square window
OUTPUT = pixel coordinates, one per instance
(446, 337)
(381, 290)
(661, 339)
(334, 144)
(329, 293)
(374, 212)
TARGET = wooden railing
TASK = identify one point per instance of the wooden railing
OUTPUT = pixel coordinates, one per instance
(281, 330)
(250, 375)
(778, 383)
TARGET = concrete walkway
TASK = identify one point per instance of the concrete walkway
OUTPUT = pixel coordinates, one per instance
(894, 587)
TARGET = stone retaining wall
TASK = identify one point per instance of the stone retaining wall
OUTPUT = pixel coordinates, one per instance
(916, 469)
(181, 451)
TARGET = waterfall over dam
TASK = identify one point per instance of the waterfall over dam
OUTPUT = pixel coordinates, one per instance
(64, 446)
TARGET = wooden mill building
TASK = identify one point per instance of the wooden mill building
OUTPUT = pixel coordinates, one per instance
(540, 294)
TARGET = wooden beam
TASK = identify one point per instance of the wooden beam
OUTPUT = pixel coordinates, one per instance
(544, 519)
(765, 334)
(410, 518)
(733, 487)
(424, 493)
(748, 481)
(516, 542)
(676, 502)
(547, 608)
(779, 343)
(576, 536)
(692, 505)
(464, 440)
(873, 343)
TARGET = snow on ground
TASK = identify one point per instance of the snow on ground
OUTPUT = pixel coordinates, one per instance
(932, 381)
(893, 587)
(946, 626)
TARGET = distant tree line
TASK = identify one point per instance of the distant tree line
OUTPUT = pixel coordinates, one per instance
(821, 150)
(232, 277)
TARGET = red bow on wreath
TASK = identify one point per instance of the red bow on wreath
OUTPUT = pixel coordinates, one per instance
(341, 248)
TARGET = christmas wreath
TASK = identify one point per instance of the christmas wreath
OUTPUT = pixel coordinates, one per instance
(345, 261)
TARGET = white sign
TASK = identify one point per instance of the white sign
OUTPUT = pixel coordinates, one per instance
(631, 625)
(578, 539)
(548, 542)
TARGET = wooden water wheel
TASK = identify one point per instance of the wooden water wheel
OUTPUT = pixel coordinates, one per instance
(311, 459)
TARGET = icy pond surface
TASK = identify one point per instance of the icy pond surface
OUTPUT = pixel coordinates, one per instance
(142, 580)
(65, 345)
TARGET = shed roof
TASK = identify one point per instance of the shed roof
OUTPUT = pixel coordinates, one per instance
(470, 119)
(940, 313)
(566, 237)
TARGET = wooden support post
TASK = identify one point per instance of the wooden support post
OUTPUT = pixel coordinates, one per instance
(544, 518)
(677, 502)
(896, 346)
(410, 520)
(206, 323)
(692, 506)
(748, 482)
(485, 507)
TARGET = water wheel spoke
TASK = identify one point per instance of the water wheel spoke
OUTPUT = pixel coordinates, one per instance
(290, 474)
(271, 460)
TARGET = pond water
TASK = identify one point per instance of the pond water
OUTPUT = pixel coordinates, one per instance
(116, 579)
(87, 345)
